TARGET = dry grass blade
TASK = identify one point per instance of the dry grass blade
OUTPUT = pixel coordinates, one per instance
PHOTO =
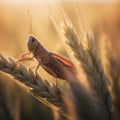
(37, 87)
(85, 52)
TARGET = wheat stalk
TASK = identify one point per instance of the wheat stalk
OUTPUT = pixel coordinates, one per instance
(114, 80)
(37, 88)
(42, 90)
(112, 61)
(85, 52)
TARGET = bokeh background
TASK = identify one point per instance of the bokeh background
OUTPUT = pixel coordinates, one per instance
(103, 18)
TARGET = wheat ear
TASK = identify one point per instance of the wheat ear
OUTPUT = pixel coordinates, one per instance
(85, 52)
(37, 87)
(112, 67)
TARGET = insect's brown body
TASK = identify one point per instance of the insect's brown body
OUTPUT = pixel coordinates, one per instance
(50, 62)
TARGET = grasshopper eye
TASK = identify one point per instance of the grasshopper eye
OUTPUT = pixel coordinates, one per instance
(33, 40)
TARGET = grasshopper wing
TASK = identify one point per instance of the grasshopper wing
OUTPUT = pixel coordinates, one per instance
(63, 60)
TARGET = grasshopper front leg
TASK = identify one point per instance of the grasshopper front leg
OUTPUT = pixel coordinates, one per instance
(22, 58)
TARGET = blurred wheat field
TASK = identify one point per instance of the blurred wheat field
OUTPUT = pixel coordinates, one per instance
(103, 19)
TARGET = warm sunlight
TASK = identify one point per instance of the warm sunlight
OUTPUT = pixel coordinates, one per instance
(26, 1)
(59, 60)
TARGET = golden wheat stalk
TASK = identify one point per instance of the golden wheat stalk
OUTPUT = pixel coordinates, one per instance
(85, 51)
(114, 78)
(110, 61)
(37, 87)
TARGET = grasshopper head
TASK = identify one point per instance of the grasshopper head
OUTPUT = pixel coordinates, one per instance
(36, 47)
(32, 43)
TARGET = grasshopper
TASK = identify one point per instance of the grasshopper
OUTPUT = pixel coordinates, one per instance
(49, 61)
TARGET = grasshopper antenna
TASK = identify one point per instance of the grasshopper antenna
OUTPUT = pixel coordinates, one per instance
(30, 21)
(24, 57)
